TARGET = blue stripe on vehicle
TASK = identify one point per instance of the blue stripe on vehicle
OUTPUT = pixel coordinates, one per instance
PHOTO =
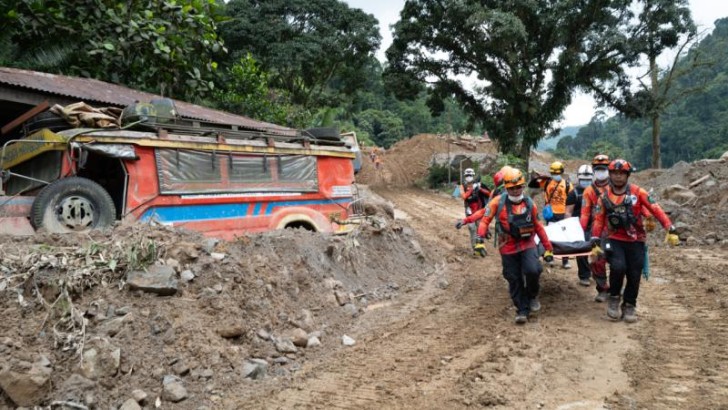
(185, 213)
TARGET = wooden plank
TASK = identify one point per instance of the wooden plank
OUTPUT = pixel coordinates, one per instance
(25, 117)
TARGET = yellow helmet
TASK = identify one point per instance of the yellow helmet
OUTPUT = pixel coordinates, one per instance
(556, 168)
(513, 177)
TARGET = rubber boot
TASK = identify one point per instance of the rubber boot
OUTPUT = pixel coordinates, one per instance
(628, 313)
(613, 307)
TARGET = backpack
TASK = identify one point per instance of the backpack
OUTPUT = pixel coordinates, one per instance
(519, 226)
(619, 215)
(548, 212)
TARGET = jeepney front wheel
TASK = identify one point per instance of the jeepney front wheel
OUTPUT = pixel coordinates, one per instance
(73, 204)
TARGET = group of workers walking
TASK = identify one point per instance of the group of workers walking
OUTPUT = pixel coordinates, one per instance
(611, 211)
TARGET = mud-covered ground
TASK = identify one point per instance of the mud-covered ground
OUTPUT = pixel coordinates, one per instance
(431, 325)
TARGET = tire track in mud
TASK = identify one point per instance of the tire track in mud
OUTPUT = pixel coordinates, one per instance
(684, 361)
(458, 347)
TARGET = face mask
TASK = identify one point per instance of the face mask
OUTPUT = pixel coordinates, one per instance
(584, 183)
(556, 178)
(515, 199)
(468, 179)
(601, 174)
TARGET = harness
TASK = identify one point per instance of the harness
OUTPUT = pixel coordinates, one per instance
(519, 226)
(619, 215)
(567, 186)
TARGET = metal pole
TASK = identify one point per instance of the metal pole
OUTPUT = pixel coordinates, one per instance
(449, 165)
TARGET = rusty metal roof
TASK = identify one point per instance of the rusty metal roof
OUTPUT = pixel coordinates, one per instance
(94, 91)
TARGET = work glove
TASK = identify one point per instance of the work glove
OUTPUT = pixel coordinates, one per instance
(488, 235)
(476, 186)
(459, 224)
(650, 224)
(548, 256)
(596, 252)
(595, 241)
(671, 238)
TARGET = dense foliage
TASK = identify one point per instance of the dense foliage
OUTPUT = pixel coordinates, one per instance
(694, 127)
(165, 47)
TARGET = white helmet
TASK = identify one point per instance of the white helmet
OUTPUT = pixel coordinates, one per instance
(469, 172)
(585, 172)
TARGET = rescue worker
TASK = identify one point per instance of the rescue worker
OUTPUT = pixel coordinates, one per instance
(590, 197)
(517, 224)
(474, 197)
(619, 210)
(584, 176)
(498, 182)
(555, 190)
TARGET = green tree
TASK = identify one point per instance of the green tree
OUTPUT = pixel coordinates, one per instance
(246, 91)
(662, 24)
(530, 56)
(382, 127)
(307, 46)
(165, 47)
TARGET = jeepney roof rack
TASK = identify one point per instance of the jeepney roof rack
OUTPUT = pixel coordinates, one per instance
(228, 131)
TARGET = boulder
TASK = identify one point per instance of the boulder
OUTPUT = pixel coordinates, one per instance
(24, 382)
(678, 193)
(161, 280)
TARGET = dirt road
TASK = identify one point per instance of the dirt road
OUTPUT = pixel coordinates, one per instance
(453, 343)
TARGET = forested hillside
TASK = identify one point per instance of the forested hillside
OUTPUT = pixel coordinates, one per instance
(695, 127)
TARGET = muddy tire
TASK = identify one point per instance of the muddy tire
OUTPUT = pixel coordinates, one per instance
(72, 204)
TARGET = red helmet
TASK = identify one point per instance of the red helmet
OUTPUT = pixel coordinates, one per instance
(621, 165)
(498, 178)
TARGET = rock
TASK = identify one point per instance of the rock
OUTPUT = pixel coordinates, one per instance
(255, 369)
(416, 248)
(230, 331)
(351, 309)
(281, 360)
(217, 256)
(160, 280)
(130, 404)
(693, 241)
(682, 230)
(724, 157)
(347, 341)
(187, 276)
(342, 297)
(23, 382)
(180, 368)
(184, 251)
(313, 341)
(173, 263)
(139, 395)
(285, 345)
(112, 326)
(299, 337)
(442, 283)
(304, 320)
(100, 359)
(209, 244)
(333, 284)
(123, 311)
(678, 193)
(261, 333)
(77, 388)
(173, 389)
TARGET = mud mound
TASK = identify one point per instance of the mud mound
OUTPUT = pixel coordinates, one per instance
(408, 161)
(74, 331)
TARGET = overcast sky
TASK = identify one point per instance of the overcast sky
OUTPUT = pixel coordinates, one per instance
(705, 12)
